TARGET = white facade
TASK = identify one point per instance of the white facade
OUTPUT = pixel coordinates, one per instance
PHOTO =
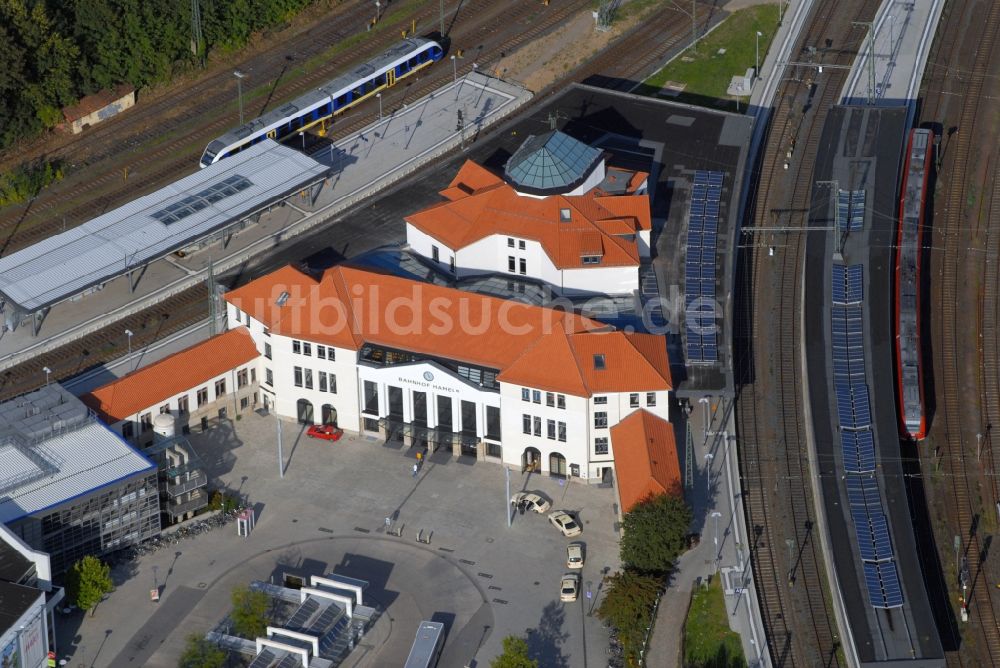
(502, 254)
(485, 417)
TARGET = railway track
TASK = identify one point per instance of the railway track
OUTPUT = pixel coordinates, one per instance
(149, 161)
(969, 484)
(792, 581)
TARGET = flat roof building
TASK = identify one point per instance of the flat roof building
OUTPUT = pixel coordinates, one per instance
(68, 485)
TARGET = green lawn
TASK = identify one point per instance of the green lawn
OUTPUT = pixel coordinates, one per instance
(708, 641)
(705, 71)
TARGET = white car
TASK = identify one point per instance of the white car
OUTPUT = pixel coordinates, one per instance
(532, 501)
(574, 555)
(569, 588)
(565, 523)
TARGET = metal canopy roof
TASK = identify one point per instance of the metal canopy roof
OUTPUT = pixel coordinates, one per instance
(52, 450)
(551, 163)
(154, 225)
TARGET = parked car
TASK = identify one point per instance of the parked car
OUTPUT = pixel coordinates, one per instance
(569, 588)
(574, 555)
(532, 501)
(327, 432)
(565, 523)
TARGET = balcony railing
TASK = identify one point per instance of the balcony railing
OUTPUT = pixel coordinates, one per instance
(175, 509)
(196, 480)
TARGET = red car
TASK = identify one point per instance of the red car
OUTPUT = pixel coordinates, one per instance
(327, 432)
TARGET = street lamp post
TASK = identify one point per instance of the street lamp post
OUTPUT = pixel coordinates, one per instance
(128, 333)
(379, 96)
(708, 472)
(454, 69)
(892, 26)
(757, 61)
(716, 515)
(240, 76)
(303, 136)
(47, 371)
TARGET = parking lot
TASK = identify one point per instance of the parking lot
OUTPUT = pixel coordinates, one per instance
(481, 578)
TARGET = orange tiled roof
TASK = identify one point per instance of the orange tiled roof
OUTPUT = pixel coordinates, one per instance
(184, 370)
(632, 363)
(91, 103)
(530, 345)
(646, 461)
(479, 204)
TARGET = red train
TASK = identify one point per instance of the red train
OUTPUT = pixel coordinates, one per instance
(909, 374)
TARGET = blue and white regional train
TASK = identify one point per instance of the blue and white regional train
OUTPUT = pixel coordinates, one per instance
(320, 105)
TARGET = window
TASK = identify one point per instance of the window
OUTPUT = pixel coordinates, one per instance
(297, 347)
(527, 423)
(238, 314)
(220, 387)
(565, 215)
(525, 394)
(202, 397)
(435, 254)
(253, 375)
(244, 402)
(550, 429)
(451, 265)
(601, 445)
(267, 332)
(537, 424)
(591, 259)
(241, 378)
(600, 363)
(520, 244)
(561, 401)
(322, 381)
(321, 352)
(510, 242)
(182, 404)
(165, 409)
(600, 401)
(550, 399)
(331, 354)
(562, 432)
(297, 374)
(333, 383)
(523, 264)
(307, 348)
(146, 421)
(127, 431)
(268, 377)
(267, 350)
(309, 379)
(536, 396)
(633, 400)
(600, 420)
(651, 398)
(511, 265)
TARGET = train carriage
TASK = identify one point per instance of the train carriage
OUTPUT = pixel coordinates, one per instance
(910, 376)
(321, 104)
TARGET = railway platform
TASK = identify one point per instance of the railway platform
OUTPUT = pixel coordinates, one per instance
(903, 32)
(359, 166)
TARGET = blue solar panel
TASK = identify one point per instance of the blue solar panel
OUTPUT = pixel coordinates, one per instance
(699, 192)
(854, 279)
(858, 448)
(701, 176)
(872, 532)
(862, 491)
(715, 178)
(882, 583)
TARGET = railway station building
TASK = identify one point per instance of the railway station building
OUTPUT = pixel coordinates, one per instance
(69, 486)
(451, 371)
(558, 215)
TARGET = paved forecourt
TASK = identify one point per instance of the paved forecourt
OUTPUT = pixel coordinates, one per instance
(360, 166)
(483, 579)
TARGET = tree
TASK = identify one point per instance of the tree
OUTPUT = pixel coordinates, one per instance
(628, 607)
(87, 582)
(249, 612)
(654, 534)
(200, 653)
(515, 655)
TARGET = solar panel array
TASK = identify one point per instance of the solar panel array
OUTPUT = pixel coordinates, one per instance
(857, 441)
(699, 269)
(851, 210)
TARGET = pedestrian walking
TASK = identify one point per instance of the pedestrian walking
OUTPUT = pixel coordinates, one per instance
(415, 468)
(420, 457)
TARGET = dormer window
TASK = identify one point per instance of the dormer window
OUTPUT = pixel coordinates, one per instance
(282, 298)
(600, 363)
(565, 215)
(591, 259)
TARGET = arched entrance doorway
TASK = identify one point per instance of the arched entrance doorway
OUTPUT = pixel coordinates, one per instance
(305, 411)
(557, 465)
(531, 459)
(329, 414)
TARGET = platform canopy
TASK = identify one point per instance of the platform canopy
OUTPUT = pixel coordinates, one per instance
(154, 225)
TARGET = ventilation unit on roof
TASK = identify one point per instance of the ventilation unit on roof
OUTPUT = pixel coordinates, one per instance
(565, 215)
(599, 363)
(282, 298)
